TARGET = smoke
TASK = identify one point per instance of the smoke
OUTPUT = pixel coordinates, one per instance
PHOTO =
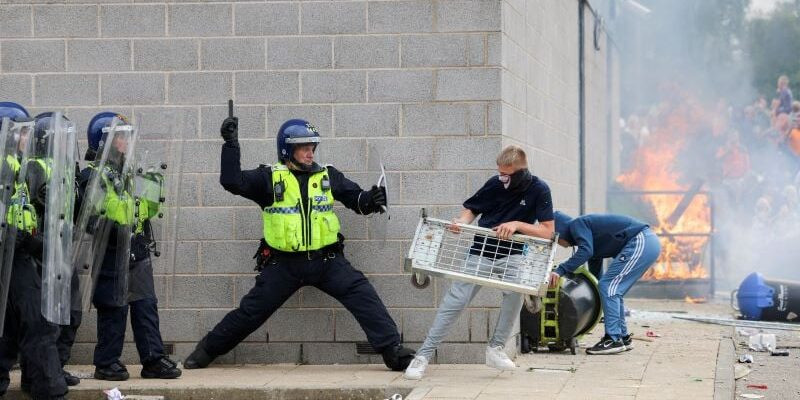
(686, 87)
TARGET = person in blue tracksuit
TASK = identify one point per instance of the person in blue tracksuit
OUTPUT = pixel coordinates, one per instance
(632, 245)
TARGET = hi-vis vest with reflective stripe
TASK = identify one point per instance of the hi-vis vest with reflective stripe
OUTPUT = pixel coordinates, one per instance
(20, 211)
(292, 226)
(117, 207)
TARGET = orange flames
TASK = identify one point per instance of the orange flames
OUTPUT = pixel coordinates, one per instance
(695, 300)
(653, 170)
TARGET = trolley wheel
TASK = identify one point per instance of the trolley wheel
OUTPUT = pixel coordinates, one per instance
(573, 344)
(420, 281)
(556, 347)
(525, 344)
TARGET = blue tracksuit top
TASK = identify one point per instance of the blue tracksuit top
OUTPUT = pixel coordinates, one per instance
(597, 236)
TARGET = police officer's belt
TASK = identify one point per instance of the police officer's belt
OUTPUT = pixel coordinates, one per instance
(334, 249)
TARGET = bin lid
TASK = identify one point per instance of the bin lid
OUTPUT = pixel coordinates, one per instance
(753, 296)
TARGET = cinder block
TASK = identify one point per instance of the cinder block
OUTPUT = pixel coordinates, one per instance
(494, 49)
(448, 119)
(245, 283)
(202, 291)
(179, 325)
(232, 54)
(417, 154)
(461, 353)
(348, 329)
(159, 123)
(331, 18)
(267, 87)
(473, 153)
(331, 353)
(367, 120)
(479, 325)
(367, 51)
(125, 20)
(486, 297)
(165, 54)
(434, 188)
(200, 87)
(468, 84)
(396, 291)
(132, 89)
(353, 226)
(345, 154)
(56, 20)
(32, 56)
(16, 21)
(403, 223)
(247, 223)
(319, 116)
(61, 90)
(400, 85)
(416, 324)
(468, 15)
(311, 297)
(476, 49)
(226, 257)
(267, 19)
(210, 318)
(307, 52)
(16, 88)
(334, 86)
(296, 325)
(400, 16)
(376, 256)
(99, 55)
(435, 50)
(187, 260)
(251, 121)
(200, 19)
(87, 331)
(205, 223)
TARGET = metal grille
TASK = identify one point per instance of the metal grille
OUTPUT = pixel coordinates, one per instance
(473, 254)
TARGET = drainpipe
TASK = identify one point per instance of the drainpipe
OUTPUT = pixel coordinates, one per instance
(581, 111)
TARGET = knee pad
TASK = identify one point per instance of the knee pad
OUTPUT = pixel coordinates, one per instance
(397, 357)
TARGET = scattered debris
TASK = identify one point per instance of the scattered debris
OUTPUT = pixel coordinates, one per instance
(698, 379)
(645, 326)
(783, 326)
(762, 342)
(552, 369)
(644, 339)
(756, 386)
(746, 331)
(114, 394)
(751, 396)
(740, 371)
(395, 396)
(652, 334)
(746, 358)
(779, 352)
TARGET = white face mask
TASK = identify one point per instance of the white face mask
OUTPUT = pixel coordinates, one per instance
(505, 180)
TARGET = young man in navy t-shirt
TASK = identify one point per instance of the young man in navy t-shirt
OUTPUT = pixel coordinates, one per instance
(511, 202)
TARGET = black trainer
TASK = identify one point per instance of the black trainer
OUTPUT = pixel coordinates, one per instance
(627, 340)
(198, 359)
(606, 345)
(71, 380)
(113, 372)
(163, 368)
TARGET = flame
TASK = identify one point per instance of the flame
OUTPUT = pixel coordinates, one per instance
(654, 169)
(695, 300)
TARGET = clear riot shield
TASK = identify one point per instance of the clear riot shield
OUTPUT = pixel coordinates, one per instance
(379, 222)
(107, 215)
(57, 224)
(15, 142)
(157, 185)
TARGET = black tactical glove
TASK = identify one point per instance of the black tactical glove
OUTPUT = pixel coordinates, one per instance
(377, 199)
(32, 244)
(230, 129)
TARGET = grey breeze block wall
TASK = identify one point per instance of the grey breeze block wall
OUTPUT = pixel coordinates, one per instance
(436, 87)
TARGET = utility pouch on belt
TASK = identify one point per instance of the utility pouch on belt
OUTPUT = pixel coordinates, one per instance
(262, 256)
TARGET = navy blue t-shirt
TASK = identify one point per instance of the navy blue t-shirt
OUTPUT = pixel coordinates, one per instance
(496, 205)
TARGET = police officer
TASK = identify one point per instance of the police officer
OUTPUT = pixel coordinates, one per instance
(26, 330)
(302, 244)
(118, 206)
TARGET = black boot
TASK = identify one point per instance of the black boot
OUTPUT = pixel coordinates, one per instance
(198, 359)
(397, 357)
(71, 380)
(113, 372)
(163, 368)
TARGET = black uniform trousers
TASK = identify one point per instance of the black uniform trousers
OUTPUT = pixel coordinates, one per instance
(282, 277)
(29, 334)
(112, 319)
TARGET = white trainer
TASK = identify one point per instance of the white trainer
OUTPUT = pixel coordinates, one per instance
(416, 369)
(497, 358)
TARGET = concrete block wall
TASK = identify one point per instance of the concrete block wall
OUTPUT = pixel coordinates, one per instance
(434, 88)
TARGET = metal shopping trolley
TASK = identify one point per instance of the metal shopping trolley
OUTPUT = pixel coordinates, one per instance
(521, 264)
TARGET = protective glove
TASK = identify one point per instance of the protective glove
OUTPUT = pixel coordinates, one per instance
(230, 129)
(377, 198)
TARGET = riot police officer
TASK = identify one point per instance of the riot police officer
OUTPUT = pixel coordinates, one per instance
(119, 208)
(301, 244)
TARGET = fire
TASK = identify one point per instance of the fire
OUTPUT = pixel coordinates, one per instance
(654, 169)
(695, 300)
